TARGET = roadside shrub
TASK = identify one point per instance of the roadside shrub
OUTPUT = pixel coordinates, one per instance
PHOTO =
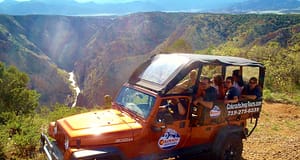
(2, 155)
(268, 95)
(58, 111)
(20, 134)
(14, 94)
(27, 138)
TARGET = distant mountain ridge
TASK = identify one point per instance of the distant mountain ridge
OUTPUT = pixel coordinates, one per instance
(71, 7)
(281, 6)
(103, 51)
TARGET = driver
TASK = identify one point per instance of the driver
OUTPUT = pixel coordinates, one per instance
(175, 107)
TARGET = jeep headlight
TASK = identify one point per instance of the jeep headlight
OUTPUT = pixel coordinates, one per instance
(52, 130)
(66, 142)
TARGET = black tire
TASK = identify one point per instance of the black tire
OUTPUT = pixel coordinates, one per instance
(229, 148)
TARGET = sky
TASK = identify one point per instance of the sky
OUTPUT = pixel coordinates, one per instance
(97, 1)
(122, 1)
(109, 1)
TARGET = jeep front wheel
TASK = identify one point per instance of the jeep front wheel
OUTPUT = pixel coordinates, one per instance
(230, 148)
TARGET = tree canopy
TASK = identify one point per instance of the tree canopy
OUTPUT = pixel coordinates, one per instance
(14, 93)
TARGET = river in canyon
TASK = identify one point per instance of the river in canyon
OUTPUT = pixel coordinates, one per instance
(75, 87)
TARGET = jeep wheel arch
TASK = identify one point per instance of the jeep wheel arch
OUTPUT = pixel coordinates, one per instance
(228, 144)
(230, 149)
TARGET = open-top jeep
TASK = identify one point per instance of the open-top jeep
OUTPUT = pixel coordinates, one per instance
(141, 124)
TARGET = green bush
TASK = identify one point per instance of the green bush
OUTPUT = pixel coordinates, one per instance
(268, 95)
(24, 131)
(58, 111)
(21, 133)
(14, 94)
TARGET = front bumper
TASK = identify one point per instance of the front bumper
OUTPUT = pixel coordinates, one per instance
(53, 153)
(50, 148)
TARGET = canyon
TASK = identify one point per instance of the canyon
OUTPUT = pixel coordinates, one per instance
(103, 51)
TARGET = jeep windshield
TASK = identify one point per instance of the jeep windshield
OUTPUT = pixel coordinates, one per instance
(135, 101)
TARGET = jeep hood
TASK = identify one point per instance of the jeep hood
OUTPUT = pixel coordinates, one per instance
(100, 127)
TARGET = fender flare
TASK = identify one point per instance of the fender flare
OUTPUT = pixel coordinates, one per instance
(231, 129)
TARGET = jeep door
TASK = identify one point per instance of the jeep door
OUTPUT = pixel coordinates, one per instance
(170, 131)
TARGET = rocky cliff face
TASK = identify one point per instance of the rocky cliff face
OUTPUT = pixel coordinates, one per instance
(103, 51)
(100, 50)
(16, 48)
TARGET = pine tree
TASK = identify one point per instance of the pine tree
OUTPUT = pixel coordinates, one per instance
(14, 94)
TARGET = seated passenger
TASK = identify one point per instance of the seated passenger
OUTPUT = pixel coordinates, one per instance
(188, 83)
(252, 91)
(232, 94)
(238, 80)
(200, 90)
(219, 85)
(210, 94)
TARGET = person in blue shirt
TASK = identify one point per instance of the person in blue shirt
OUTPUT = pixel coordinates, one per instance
(232, 94)
(251, 91)
(238, 80)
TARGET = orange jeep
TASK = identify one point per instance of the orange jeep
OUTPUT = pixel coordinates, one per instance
(144, 124)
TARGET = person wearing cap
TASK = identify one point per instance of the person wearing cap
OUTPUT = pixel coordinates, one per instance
(210, 94)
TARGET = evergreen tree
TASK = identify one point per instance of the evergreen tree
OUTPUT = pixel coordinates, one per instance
(14, 94)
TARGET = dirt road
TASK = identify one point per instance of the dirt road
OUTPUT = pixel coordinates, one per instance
(277, 135)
